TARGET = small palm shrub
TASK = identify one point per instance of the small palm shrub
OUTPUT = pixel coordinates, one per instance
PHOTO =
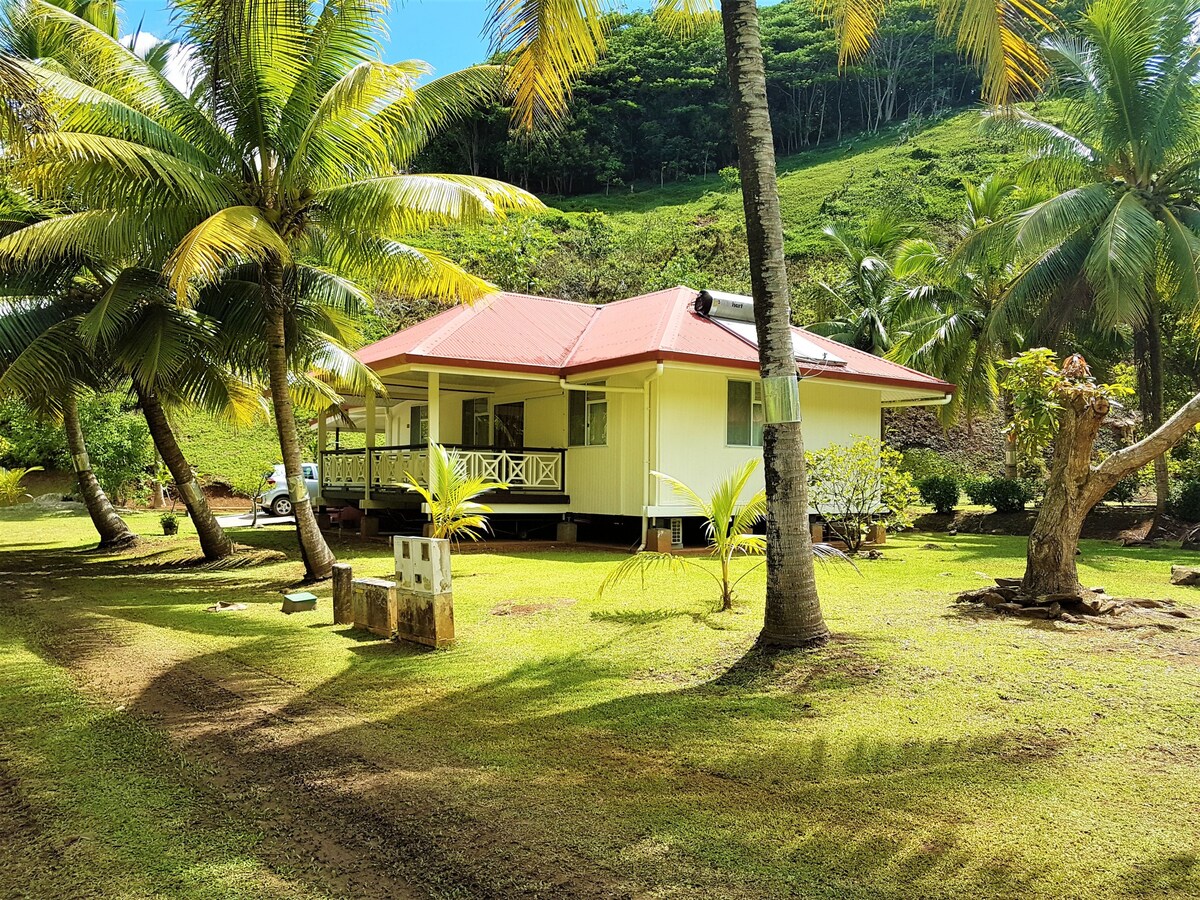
(451, 496)
(727, 523)
(11, 490)
(941, 492)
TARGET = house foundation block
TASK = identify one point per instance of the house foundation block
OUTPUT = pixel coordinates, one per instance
(369, 526)
(658, 540)
(817, 530)
(566, 533)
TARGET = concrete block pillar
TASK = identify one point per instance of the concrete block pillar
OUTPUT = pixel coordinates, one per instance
(566, 533)
(818, 532)
(658, 540)
(343, 594)
(369, 526)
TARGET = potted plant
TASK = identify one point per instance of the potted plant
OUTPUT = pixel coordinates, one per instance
(170, 523)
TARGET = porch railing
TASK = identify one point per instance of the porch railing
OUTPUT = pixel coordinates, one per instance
(387, 468)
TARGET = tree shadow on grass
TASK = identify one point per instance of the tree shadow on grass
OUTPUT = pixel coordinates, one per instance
(704, 771)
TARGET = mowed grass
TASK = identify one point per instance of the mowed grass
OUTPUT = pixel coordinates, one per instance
(924, 753)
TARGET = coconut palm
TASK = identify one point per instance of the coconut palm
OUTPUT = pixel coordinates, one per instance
(452, 496)
(866, 296)
(293, 160)
(44, 364)
(551, 43)
(728, 524)
(1125, 171)
(959, 320)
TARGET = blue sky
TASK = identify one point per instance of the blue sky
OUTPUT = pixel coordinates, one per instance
(444, 33)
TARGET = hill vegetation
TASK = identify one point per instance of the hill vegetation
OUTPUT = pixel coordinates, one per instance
(601, 247)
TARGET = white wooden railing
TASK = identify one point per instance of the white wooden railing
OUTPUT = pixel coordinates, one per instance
(388, 467)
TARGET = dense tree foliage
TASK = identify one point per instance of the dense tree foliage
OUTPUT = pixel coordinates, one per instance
(655, 107)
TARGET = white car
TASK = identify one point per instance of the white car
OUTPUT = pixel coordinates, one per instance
(275, 497)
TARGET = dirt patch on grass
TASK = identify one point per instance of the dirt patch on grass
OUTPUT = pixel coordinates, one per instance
(517, 608)
(839, 664)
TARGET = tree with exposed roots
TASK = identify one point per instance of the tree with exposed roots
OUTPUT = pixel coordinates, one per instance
(1077, 482)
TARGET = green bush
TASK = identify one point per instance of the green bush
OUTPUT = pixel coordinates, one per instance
(940, 491)
(118, 442)
(922, 463)
(1124, 490)
(1185, 500)
(978, 489)
(1005, 495)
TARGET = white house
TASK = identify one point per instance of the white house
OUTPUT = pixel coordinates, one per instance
(574, 405)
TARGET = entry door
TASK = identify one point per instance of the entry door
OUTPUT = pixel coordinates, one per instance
(510, 425)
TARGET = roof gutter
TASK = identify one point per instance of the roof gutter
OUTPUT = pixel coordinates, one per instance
(920, 401)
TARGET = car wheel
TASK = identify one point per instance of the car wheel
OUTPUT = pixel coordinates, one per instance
(281, 506)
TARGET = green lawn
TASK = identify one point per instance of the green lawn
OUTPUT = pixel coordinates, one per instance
(571, 746)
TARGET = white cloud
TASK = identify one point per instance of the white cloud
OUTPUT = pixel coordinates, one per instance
(182, 69)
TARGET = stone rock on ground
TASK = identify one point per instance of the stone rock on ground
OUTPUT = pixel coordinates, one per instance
(1185, 575)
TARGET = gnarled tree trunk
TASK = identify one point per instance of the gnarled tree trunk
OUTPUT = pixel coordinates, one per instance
(114, 533)
(213, 540)
(318, 559)
(793, 614)
(1075, 486)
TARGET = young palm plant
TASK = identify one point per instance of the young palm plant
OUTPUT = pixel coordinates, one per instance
(12, 491)
(728, 524)
(452, 496)
(1125, 174)
(293, 160)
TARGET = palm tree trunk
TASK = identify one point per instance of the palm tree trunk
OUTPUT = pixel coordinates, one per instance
(1147, 352)
(793, 612)
(318, 559)
(213, 540)
(114, 533)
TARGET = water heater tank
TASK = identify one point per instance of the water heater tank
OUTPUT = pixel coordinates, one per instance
(720, 305)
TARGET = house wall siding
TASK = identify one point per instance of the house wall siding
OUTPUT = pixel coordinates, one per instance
(692, 419)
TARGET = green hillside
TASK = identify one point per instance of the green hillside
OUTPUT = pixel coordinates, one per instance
(598, 248)
(916, 173)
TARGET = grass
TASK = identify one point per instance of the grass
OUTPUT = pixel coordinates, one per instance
(924, 753)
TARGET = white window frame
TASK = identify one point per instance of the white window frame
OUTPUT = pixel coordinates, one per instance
(590, 399)
(756, 404)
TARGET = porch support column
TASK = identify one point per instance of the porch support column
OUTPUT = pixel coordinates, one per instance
(370, 441)
(435, 408)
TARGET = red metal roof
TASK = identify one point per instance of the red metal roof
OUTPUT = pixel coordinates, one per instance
(522, 333)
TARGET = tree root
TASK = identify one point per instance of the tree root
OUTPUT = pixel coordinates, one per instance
(1092, 604)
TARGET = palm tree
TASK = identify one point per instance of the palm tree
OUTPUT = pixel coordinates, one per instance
(43, 363)
(1125, 170)
(452, 496)
(293, 160)
(867, 294)
(551, 43)
(959, 319)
